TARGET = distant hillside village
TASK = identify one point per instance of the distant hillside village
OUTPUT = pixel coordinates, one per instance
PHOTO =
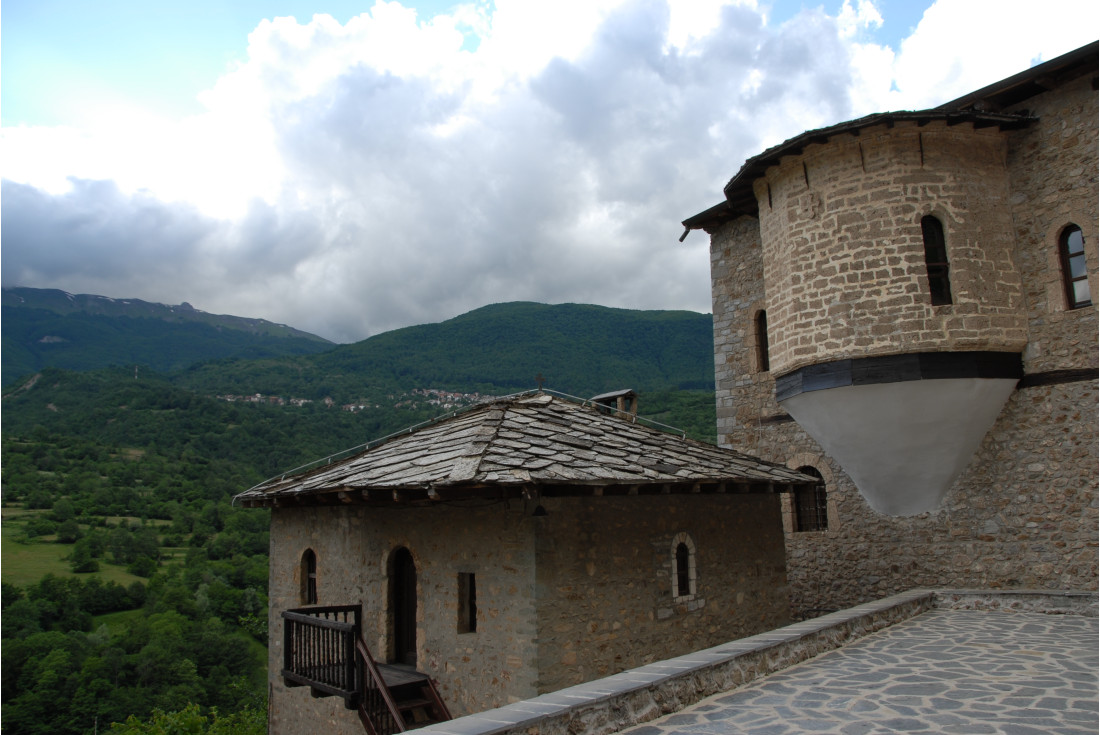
(444, 400)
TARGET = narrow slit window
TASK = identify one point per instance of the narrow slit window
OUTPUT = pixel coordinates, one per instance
(935, 259)
(309, 577)
(683, 570)
(811, 508)
(762, 341)
(467, 602)
(1075, 274)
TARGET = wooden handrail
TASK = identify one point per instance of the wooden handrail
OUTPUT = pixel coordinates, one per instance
(374, 684)
(323, 648)
(438, 700)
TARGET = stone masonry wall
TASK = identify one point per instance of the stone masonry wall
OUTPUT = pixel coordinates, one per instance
(1024, 514)
(603, 591)
(475, 671)
(744, 393)
(605, 586)
(1053, 168)
(844, 255)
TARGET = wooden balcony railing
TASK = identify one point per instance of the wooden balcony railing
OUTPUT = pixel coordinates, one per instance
(323, 649)
(319, 651)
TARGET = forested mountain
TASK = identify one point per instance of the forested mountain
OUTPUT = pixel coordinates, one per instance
(579, 349)
(117, 483)
(51, 328)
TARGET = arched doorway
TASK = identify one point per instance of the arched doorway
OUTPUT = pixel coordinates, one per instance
(403, 605)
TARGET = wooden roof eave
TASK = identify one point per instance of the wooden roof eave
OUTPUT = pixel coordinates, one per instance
(426, 496)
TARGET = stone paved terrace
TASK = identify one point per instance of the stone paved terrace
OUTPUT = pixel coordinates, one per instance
(945, 671)
(923, 661)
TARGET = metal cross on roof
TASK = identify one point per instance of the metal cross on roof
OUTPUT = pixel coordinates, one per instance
(540, 380)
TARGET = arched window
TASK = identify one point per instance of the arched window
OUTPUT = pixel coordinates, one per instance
(811, 509)
(683, 570)
(935, 259)
(1071, 248)
(683, 567)
(762, 359)
(309, 577)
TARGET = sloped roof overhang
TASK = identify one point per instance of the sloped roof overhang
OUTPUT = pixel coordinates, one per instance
(741, 200)
(525, 447)
(981, 108)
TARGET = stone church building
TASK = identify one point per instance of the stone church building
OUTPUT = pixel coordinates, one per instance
(904, 308)
(904, 332)
(518, 548)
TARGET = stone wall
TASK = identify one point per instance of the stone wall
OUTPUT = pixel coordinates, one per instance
(843, 251)
(1053, 169)
(475, 671)
(601, 601)
(605, 583)
(1024, 513)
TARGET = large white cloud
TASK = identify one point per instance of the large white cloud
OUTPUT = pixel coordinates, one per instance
(349, 179)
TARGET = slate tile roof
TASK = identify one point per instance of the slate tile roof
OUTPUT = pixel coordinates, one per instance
(530, 439)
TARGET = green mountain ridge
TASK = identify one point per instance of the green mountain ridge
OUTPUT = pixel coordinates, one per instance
(52, 328)
(295, 400)
(62, 302)
(577, 349)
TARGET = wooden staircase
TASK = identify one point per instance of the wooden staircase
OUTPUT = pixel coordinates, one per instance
(323, 649)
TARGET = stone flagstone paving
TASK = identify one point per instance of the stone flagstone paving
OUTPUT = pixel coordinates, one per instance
(945, 671)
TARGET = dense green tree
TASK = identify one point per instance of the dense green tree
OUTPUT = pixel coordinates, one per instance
(81, 560)
(68, 532)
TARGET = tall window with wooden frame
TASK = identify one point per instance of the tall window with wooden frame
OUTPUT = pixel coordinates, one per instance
(763, 362)
(309, 578)
(935, 259)
(811, 506)
(1075, 275)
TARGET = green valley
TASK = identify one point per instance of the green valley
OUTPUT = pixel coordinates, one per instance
(132, 585)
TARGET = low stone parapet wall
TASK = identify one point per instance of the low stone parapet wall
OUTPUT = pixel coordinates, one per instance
(639, 695)
(1037, 601)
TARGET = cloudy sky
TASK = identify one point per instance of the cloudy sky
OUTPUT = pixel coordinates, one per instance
(349, 168)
